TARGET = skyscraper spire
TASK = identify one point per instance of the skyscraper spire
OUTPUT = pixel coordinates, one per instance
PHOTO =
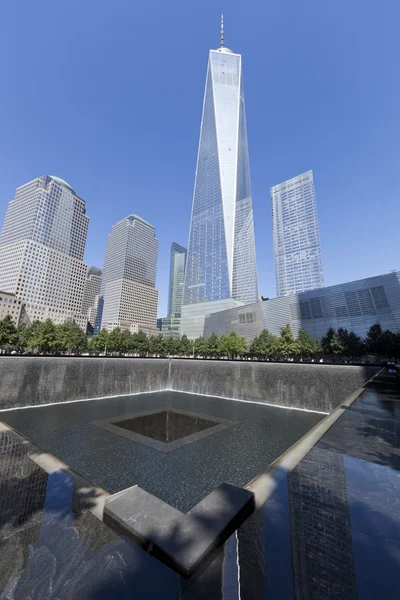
(222, 31)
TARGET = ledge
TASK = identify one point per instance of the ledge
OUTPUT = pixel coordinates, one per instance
(184, 542)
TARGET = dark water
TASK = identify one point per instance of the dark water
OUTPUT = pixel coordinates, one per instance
(256, 435)
(166, 426)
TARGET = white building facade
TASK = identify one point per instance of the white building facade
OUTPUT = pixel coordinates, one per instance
(221, 259)
(42, 243)
(297, 250)
(10, 305)
(129, 276)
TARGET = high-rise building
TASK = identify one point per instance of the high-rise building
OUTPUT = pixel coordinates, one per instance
(91, 294)
(42, 243)
(129, 276)
(170, 325)
(221, 260)
(297, 250)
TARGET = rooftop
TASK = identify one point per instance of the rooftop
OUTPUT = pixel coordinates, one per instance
(62, 182)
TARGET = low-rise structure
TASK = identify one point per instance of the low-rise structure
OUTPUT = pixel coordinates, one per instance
(355, 305)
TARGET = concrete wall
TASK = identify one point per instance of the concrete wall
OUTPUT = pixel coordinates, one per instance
(28, 381)
(314, 387)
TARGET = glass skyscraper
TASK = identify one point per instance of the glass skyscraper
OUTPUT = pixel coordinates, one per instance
(170, 325)
(176, 278)
(221, 260)
(298, 264)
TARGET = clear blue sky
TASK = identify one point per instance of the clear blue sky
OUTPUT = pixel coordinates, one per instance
(108, 96)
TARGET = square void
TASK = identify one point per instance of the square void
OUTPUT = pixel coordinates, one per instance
(166, 429)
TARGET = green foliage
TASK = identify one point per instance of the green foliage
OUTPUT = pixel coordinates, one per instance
(172, 346)
(385, 344)
(23, 336)
(307, 346)
(213, 345)
(326, 341)
(351, 343)
(48, 337)
(265, 344)
(114, 343)
(8, 332)
(186, 346)
(69, 336)
(126, 341)
(287, 344)
(140, 343)
(158, 345)
(99, 342)
(200, 347)
(43, 336)
(233, 345)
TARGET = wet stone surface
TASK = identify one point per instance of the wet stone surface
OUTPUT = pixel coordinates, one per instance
(256, 436)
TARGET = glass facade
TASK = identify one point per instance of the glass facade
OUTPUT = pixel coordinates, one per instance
(176, 278)
(221, 261)
(170, 325)
(298, 264)
(355, 305)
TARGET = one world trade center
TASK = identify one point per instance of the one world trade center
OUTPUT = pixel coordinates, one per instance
(221, 261)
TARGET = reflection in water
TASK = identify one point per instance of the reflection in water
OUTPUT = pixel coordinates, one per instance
(322, 554)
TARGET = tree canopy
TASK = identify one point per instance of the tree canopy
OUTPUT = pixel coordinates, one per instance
(45, 336)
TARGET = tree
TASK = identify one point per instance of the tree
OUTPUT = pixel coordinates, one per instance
(200, 346)
(186, 346)
(381, 343)
(99, 342)
(69, 336)
(140, 343)
(23, 336)
(287, 343)
(8, 332)
(115, 340)
(352, 344)
(307, 345)
(43, 336)
(326, 341)
(213, 345)
(157, 344)
(264, 344)
(172, 345)
(126, 342)
(233, 345)
(337, 345)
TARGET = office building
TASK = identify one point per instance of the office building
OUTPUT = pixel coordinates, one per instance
(129, 276)
(91, 294)
(10, 305)
(355, 306)
(41, 250)
(298, 265)
(221, 261)
(170, 325)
